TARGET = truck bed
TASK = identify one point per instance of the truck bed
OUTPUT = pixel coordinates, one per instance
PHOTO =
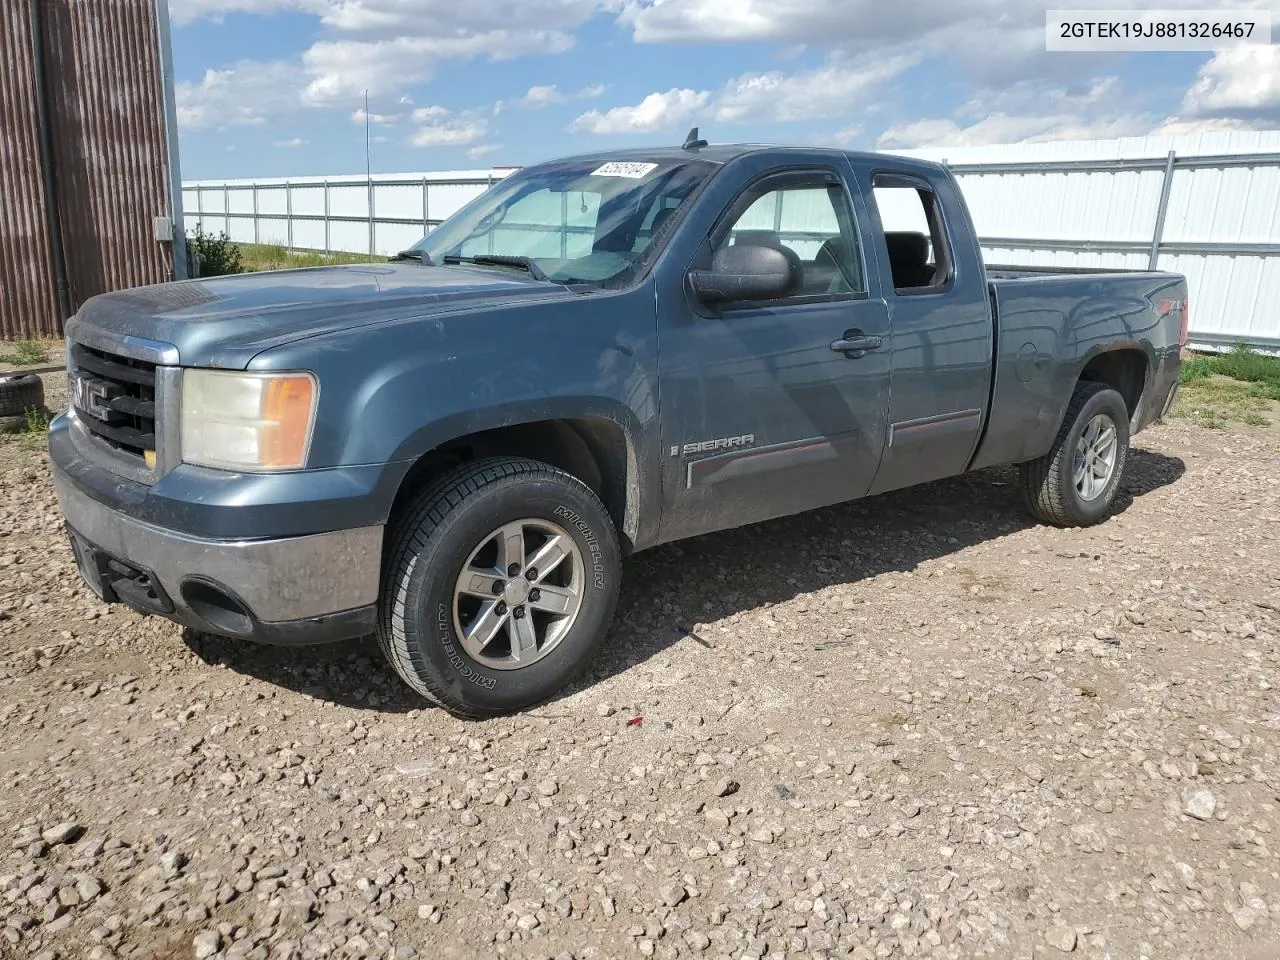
(1050, 324)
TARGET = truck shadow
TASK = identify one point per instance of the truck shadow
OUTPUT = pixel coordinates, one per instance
(669, 589)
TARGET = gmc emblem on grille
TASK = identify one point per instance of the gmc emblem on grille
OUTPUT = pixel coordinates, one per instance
(92, 396)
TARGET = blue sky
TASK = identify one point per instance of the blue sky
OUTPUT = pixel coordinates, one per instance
(275, 87)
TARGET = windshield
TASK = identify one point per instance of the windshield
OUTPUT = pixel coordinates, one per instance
(584, 221)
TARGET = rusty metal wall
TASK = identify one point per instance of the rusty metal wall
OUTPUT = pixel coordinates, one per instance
(106, 99)
(27, 302)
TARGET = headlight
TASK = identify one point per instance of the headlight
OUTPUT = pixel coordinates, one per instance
(247, 421)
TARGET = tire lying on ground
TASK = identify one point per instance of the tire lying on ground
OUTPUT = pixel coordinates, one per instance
(1076, 482)
(500, 581)
(19, 393)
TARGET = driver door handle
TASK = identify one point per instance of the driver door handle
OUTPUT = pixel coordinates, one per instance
(854, 344)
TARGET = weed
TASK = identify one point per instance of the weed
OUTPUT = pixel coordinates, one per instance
(34, 434)
(1196, 368)
(1238, 385)
(26, 353)
(1248, 365)
(217, 256)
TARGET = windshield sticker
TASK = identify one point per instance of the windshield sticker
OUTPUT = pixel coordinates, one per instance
(624, 168)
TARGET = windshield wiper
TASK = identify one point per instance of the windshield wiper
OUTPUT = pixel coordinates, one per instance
(502, 260)
(421, 256)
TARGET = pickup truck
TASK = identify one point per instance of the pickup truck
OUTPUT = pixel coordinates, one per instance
(455, 450)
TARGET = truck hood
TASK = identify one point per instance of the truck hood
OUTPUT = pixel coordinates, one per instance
(226, 321)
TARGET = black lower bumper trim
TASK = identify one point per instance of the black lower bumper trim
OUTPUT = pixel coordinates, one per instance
(332, 628)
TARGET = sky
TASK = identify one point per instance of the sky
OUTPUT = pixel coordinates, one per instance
(276, 88)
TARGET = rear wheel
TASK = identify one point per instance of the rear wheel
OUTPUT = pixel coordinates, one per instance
(500, 583)
(1076, 482)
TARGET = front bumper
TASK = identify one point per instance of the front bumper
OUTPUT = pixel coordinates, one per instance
(285, 590)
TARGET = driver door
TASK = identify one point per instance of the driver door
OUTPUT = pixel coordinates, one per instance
(763, 413)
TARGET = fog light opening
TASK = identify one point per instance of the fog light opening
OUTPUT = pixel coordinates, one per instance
(215, 605)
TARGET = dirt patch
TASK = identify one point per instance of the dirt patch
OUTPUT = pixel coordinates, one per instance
(917, 725)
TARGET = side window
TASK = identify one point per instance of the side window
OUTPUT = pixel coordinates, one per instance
(919, 258)
(812, 220)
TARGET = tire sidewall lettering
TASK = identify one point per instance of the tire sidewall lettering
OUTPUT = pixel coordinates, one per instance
(457, 658)
(592, 544)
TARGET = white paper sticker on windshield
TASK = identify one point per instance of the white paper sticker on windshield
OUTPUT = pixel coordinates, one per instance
(624, 168)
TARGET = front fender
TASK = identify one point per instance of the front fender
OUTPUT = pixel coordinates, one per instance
(392, 394)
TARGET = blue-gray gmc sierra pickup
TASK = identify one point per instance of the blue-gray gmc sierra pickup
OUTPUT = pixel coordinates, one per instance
(455, 450)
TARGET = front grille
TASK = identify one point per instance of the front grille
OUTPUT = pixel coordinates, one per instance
(115, 399)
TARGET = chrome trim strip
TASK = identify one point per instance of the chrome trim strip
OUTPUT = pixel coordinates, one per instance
(292, 578)
(136, 348)
(168, 419)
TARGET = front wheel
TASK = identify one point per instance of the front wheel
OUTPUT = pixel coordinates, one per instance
(499, 586)
(1076, 482)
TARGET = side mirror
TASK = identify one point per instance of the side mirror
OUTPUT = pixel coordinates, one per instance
(745, 272)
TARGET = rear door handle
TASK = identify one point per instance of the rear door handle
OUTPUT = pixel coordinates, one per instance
(853, 344)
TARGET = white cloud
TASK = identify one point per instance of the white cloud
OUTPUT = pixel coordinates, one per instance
(448, 18)
(1236, 89)
(182, 12)
(535, 99)
(440, 127)
(547, 95)
(847, 135)
(376, 119)
(246, 94)
(1028, 112)
(292, 144)
(657, 111)
(344, 69)
(394, 18)
(996, 48)
(483, 150)
(842, 23)
(382, 46)
(1242, 83)
(542, 96)
(992, 41)
(833, 90)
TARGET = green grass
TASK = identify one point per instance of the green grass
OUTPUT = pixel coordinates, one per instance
(1241, 363)
(274, 256)
(25, 353)
(1218, 388)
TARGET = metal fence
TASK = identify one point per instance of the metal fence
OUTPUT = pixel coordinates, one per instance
(353, 214)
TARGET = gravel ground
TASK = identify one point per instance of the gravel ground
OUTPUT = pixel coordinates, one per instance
(912, 726)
